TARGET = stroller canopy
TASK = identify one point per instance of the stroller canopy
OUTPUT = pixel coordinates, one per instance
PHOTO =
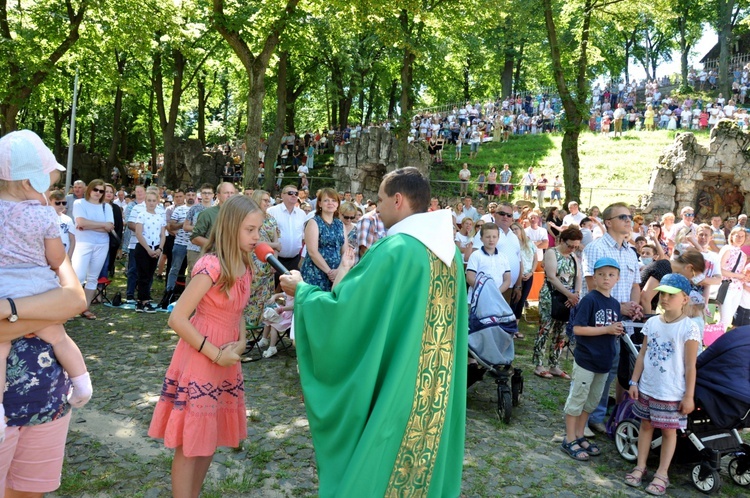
(723, 378)
(492, 323)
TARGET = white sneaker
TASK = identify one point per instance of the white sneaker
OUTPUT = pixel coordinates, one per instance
(270, 352)
(588, 432)
(263, 342)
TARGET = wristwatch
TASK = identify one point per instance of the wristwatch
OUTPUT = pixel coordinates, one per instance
(632, 383)
(13, 317)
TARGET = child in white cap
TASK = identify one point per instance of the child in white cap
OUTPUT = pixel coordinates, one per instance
(31, 249)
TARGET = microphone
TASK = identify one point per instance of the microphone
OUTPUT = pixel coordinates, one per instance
(264, 253)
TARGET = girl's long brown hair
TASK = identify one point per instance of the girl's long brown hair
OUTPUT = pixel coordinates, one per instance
(224, 241)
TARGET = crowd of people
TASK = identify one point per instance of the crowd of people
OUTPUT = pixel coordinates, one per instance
(598, 267)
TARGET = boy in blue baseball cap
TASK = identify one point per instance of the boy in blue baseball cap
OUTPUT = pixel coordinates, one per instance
(596, 326)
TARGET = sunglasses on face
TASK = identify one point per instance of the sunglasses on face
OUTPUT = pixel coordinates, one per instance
(293, 193)
(623, 217)
(503, 213)
(689, 215)
(350, 217)
(61, 203)
(98, 190)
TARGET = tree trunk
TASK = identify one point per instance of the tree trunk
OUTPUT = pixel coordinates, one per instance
(334, 114)
(506, 77)
(407, 103)
(169, 122)
(466, 71)
(112, 157)
(725, 37)
(255, 69)
(92, 137)
(345, 107)
(256, 94)
(60, 117)
(371, 100)
(684, 53)
(274, 141)
(519, 64)
(574, 105)
(151, 128)
(392, 99)
(571, 165)
(201, 82)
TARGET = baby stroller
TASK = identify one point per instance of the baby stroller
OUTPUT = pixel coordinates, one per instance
(492, 326)
(722, 394)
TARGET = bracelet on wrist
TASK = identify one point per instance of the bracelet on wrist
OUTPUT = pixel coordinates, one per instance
(218, 356)
(632, 383)
(202, 344)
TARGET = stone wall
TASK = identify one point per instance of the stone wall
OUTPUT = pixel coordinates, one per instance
(713, 180)
(360, 165)
(194, 166)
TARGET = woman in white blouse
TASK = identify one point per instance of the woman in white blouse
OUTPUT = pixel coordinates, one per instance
(149, 230)
(94, 220)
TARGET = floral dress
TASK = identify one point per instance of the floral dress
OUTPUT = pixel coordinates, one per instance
(262, 288)
(330, 241)
(566, 272)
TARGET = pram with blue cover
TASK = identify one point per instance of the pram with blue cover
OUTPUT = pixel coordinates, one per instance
(492, 326)
(722, 394)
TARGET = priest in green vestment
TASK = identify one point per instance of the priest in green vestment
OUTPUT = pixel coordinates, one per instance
(382, 357)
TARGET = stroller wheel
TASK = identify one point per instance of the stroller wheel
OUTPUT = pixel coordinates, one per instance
(626, 439)
(739, 470)
(504, 403)
(706, 479)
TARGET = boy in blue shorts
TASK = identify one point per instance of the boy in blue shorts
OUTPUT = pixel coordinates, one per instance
(596, 326)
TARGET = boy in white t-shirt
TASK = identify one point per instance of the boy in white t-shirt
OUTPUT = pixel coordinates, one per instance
(67, 235)
(489, 260)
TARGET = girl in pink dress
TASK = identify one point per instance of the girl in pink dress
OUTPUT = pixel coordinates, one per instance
(202, 403)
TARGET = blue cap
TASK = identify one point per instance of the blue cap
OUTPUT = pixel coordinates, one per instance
(672, 283)
(602, 262)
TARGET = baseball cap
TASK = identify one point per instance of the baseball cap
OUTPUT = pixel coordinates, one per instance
(602, 262)
(672, 283)
(23, 156)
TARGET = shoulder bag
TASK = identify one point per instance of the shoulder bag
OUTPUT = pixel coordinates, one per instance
(558, 310)
(724, 287)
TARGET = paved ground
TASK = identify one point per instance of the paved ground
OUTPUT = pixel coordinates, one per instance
(110, 455)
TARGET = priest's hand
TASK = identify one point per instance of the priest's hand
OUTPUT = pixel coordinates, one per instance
(289, 282)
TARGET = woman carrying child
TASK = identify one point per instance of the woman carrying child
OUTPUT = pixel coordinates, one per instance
(663, 380)
(202, 404)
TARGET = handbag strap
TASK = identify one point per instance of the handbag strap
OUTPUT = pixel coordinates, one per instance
(736, 263)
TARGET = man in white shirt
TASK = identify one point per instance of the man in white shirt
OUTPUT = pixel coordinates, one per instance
(291, 221)
(468, 211)
(537, 235)
(528, 181)
(574, 215)
(121, 201)
(489, 217)
(509, 246)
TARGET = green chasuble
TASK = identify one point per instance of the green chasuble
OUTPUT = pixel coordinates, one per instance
(382, 363)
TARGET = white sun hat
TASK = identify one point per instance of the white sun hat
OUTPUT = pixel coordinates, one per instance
(23, 156)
